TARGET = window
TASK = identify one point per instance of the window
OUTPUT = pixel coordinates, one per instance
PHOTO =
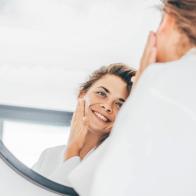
(27, 140)
(27, 132)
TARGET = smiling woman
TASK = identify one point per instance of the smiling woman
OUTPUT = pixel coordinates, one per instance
(99, 101)
(46, 48)
(104, 93)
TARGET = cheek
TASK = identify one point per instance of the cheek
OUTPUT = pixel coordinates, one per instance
(90, 100)
(158, 36)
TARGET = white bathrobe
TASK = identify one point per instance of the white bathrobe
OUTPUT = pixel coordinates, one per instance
(51, 164)
(152, 148)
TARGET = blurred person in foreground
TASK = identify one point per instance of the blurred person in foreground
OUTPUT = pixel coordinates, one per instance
(152, 148)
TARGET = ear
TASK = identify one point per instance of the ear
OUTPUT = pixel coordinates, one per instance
(167, 24)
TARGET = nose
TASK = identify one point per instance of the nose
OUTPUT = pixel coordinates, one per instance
(107, 107)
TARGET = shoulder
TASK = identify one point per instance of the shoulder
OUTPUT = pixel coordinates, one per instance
(165, 87)
(177, 77)
(175, 69)
(53, 150)
(52, 155)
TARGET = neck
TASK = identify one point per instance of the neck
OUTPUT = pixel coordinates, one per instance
(92, 140)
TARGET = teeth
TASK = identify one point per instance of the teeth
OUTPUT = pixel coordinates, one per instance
(101, 116)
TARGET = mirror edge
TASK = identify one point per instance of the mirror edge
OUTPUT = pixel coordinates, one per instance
(31, 175)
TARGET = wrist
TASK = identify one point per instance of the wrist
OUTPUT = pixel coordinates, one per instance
(71, 151)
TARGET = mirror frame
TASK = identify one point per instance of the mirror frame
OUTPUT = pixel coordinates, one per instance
(16, 113)
(31, 175)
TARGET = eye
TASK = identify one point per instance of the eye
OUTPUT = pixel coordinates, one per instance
(101, 93)
(119, 104)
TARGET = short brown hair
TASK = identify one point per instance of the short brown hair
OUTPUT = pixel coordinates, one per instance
(184, 12)
(118, 69)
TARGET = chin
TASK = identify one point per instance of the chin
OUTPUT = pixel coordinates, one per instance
(99, 130)
(160, 60)
(164, 54)
(161, 57)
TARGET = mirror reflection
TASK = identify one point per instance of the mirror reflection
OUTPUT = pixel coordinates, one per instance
(99, 100)
(27, 131)
(27, 139)
(57, 105)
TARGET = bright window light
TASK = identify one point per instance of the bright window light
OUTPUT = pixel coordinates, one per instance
(27, 140)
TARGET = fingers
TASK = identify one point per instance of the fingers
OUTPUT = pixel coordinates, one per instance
(80, 107)
(149, 51)
(77, 119)
(83, 107)
(149, 56)
(149, 43)
(152, 49)
(152, 55)
(85, 121)
(80, 133)
(80, 112)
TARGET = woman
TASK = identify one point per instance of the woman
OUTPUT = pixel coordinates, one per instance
(151, 150)
(175, 37)
(99, 101)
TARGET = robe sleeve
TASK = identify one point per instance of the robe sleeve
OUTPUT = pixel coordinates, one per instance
(64, 169)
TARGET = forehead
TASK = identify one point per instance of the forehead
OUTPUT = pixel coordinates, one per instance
(114, 84)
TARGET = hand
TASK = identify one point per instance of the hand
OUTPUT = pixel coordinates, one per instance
(78, 131)
(148, 57)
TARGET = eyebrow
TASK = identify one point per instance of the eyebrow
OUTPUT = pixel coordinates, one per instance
(120, 99)
(105, 89)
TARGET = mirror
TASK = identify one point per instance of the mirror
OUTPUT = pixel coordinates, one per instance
(36, 129)
(38, 182)
(47, 48)
(24, 133)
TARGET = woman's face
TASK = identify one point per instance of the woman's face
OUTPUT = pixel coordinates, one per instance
(103, 101)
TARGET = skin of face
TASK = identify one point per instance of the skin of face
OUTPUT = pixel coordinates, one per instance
(102, 103)
(167, 39)
(172, 44)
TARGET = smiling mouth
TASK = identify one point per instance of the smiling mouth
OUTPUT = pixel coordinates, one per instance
(101, 117)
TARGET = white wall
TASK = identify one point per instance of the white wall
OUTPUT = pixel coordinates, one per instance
(48, 46)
